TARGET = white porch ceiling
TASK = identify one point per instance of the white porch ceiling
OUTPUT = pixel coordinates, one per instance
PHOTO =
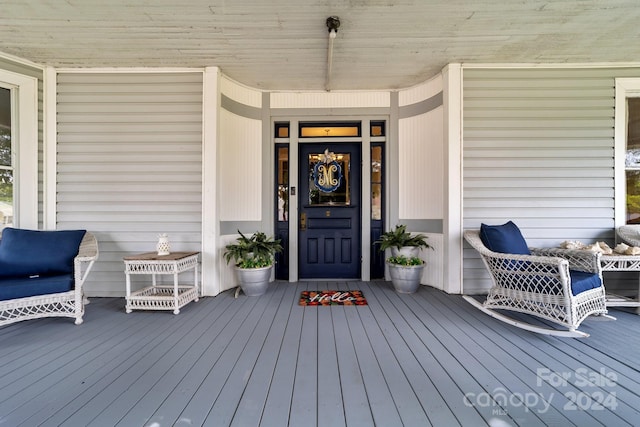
(282, 44)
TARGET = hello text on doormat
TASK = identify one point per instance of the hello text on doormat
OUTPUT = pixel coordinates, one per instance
(332, 298)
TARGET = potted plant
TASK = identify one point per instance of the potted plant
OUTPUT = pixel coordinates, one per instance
(405, 267)
(405, 273)
(253, 260)
(401, 242)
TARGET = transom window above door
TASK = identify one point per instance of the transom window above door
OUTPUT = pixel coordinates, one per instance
(330, 130)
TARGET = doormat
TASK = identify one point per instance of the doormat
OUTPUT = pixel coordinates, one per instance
(332, 298)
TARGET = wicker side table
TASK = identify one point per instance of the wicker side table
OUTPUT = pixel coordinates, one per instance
(621, 263)
(156, 297)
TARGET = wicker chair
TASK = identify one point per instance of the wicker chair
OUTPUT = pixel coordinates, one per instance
(63, 304)
(540, 284)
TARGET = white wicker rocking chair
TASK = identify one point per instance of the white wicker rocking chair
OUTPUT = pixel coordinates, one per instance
(540, 284)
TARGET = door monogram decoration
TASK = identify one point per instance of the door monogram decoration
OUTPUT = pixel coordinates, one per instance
(327, 173)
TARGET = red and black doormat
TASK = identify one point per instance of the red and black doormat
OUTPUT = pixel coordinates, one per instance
(332, 298)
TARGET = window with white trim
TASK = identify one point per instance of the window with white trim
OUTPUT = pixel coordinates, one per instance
(627, 148)
(22, 165)
(632, 161)
(6, 160)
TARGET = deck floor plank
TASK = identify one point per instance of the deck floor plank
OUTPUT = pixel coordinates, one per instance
(252, 403)
(330, 407)
(507, 368)
(407, 403)
(533, 352)
(514, 369)
(51, 398)
(225, 406)
(146, 354)
(20, 355)
(22, 335)
(223, 345)
(45, 385)
(136, 405)
(304, 401)
(432, 358)
(354, 394)
(277, 407)
(471, 359)
(152, 398)
(381, 402)
(520, 361)
(402, 360)
(232, 360)
(438, 392)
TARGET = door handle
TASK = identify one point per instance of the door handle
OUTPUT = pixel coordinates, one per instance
(303, 221)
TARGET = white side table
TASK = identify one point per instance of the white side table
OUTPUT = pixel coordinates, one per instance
(156, 297)
(621, 263)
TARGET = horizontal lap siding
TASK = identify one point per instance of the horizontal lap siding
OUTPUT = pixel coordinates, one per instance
(539, 150)
(129, 162)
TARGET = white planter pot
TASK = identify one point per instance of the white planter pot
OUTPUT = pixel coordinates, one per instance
(405, 279)
(254, 281)
(408, 251)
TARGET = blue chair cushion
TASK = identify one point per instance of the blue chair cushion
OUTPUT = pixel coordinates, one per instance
(39, 285)
(505, 238)
(583, 281)
(25, 253)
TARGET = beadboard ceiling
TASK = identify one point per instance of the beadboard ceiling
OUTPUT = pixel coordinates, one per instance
(283, 44)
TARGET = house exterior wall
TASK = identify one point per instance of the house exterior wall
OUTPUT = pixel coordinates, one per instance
(127, 161)
(129, 164)
(421, 170)
(242, 169)
(538, 149)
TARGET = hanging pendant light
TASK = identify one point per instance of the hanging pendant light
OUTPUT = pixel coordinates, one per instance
(333, 23)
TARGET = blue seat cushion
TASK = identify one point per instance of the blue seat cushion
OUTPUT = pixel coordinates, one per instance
(26, 253)
(505, 238)
(583, 281)
(40, 285)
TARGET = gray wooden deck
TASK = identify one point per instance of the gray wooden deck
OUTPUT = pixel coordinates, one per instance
(403, 360)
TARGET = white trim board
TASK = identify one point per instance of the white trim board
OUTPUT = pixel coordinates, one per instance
(564, 65)
(625, 88)
(24, 114)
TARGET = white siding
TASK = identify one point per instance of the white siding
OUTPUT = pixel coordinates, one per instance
(539, 150)
(240, 168)
(330, 99)
(433, 274)
(420, 92)
(239, 93)
(129, 164)
(421, 166)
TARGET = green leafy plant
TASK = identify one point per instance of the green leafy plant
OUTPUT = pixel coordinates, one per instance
(252, 252)
(400, 237)
(405, 261)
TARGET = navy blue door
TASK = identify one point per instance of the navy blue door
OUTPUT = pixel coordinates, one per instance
(329, 224)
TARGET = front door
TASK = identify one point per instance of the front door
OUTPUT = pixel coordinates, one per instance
(329, 223)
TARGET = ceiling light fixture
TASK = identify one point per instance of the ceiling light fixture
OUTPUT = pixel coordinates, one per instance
(333, 23)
